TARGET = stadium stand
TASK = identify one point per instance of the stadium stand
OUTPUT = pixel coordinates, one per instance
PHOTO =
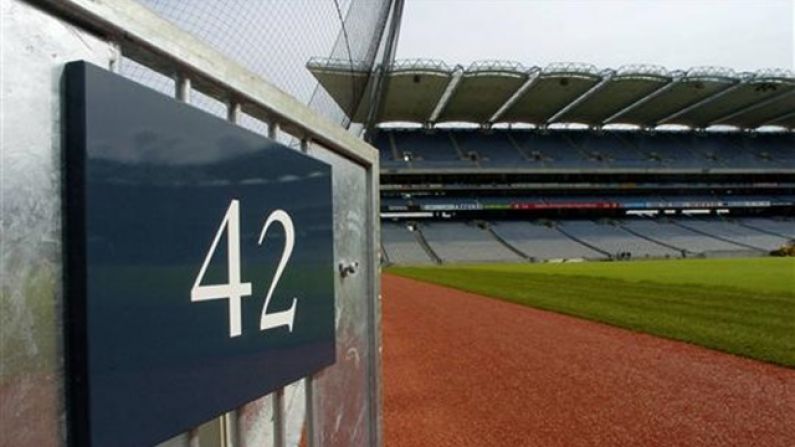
(732, 232)
(583, 150)
(616, 241)
(542, 241)
(778, 227)
(661, 149)
(583, 239)
(459, 242)
(553, 149)
(719, 150)
(775, 147)
(494, 149)
(388, 156)
(401, 245)
(426, 149)
(670, 233)
(609, 148)
(570, 161)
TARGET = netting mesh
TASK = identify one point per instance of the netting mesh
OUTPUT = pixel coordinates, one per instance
(275, 39)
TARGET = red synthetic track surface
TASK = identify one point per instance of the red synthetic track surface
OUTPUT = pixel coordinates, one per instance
(464, 370)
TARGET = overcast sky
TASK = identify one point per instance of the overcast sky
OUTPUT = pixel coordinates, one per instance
(678, 34)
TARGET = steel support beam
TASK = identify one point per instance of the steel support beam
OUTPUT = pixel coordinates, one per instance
(534, 76)
(752, 107)
(783, 117)
(660, 91)
(701, 103)
(593, 90)
(452, 86)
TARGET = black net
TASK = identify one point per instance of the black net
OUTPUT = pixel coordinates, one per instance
(275, 39)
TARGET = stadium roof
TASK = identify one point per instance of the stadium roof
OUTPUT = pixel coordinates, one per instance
(489, 92)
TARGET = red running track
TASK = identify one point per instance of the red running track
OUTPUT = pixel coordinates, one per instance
(464, 370)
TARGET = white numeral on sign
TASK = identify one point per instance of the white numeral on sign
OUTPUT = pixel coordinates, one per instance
(286, 317)
(234, 290)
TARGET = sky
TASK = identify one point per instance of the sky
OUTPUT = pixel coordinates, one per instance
(745, 35)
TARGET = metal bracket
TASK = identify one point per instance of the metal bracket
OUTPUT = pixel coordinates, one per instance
(348, 268)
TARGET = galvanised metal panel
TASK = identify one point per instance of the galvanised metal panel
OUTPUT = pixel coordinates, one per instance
(344, 412)
(35, 211)
(35, 47)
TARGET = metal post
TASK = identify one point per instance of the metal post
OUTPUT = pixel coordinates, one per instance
(193, 437)
(278, 418)
(278, 395)
(230, 428)
(182, 88)
(273, 130)
(310, 411)
(233, 112)
(374, 308)
(115, 61)
(309, 420)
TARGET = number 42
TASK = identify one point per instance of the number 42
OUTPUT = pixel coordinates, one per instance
(234, 290)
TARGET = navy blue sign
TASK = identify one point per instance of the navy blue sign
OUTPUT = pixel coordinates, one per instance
(199, 263)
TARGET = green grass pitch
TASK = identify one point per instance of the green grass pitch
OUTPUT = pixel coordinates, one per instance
(741, 306)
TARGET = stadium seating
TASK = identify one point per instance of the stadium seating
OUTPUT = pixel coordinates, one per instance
(492, 149)
(585, 239)
(581, 149)
(723, 150)
(460, 242)
(777, 147)
(553, 149)
(401, 245)
(543, 242)
(615, 240)
(609, 148)
(386, 154)
(430, 150)
(736, 233)
(670, 233)
(779, 227)
(663, 150)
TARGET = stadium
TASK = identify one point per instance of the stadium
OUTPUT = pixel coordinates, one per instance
(575, 162)
(238, 223)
